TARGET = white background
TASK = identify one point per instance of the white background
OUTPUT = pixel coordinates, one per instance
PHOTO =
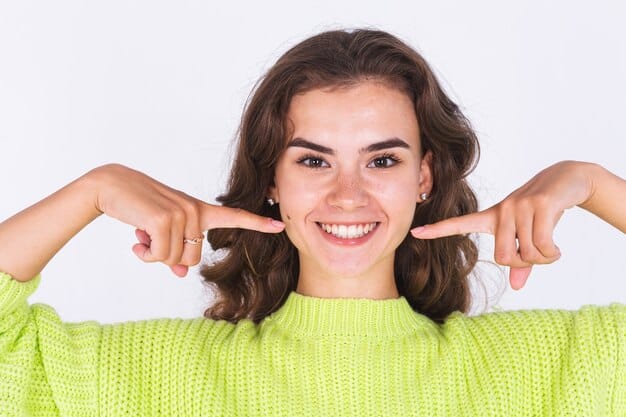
(160, 86)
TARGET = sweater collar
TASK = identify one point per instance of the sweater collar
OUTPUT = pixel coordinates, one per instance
(313, 316)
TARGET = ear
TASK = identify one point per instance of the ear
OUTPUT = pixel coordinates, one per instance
(272, 193)
(426, 175)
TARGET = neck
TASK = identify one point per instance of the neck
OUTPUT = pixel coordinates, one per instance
(378, 283)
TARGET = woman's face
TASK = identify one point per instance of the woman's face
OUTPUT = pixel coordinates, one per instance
(349, 179)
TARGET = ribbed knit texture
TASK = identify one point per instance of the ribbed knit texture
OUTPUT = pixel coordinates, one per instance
(313, 357)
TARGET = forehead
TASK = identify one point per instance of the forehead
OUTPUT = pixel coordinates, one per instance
(367, 111)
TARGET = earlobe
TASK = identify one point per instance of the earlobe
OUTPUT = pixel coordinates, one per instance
(426, 177)
(271, 196)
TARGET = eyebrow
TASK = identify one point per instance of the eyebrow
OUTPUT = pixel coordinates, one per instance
(377, 146)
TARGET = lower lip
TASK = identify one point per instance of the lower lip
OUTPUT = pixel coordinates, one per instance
(348, 241)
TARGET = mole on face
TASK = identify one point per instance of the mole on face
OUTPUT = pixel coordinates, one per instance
(288, 217)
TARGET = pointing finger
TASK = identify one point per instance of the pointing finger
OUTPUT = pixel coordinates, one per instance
(213, 217)
(481, 222)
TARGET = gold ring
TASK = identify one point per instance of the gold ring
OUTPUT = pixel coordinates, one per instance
(193, 241)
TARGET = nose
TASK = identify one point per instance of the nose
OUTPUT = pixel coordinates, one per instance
(348, 192)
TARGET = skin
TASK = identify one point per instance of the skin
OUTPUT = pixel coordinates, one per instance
(523, 223)
(162, 216)
(349, 184)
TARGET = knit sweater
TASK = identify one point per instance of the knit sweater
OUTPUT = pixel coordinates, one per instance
(313, 357)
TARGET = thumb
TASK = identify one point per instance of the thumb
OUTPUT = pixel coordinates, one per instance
(519, 276)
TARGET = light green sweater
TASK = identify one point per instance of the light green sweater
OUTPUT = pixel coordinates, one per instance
(313, 357)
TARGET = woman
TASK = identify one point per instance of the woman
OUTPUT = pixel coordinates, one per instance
(335, 308)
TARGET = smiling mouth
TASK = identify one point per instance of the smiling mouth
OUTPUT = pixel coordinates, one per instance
(345, 231)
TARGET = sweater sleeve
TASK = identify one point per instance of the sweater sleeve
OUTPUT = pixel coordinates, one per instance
(562, 360)
(47, 367)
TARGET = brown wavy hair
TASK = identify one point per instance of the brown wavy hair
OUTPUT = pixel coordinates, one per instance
(259, 270)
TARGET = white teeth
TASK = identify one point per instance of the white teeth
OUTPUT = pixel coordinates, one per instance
(348, 232)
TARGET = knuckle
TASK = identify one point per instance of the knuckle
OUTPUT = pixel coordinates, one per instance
(162, 219)
(190, 260)
(178, 215)
(544, 243)
(543, 240)
(160, 256)
(531, 257)
(541, 200)
(505, 207)
(190, 206)
(526, 252)
(172, 259)
(155, 256)
(502, 257)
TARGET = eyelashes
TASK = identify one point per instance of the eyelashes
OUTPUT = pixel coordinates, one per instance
(386, 160)
(312, 161)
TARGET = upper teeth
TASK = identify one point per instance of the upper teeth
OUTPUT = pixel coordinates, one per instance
(348, 231)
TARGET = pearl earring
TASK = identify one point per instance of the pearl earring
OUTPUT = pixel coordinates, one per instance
(270, 201)
(424, 196)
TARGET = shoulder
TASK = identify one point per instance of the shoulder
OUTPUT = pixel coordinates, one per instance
(537, 323)
(544, 336)
(171, 335)
(589, 315)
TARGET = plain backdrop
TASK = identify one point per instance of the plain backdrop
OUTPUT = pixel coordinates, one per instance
(160, 86)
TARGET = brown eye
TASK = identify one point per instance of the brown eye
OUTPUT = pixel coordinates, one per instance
(313, 162)
(383, 162)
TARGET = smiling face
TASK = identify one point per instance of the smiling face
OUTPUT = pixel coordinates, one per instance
(347, 185)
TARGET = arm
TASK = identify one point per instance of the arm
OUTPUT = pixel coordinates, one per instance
(524, 221)
(607, 198)
(163, 217)
(44, 228)
(48, 367)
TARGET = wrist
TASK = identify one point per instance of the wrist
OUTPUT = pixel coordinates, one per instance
(89, 186)
(593, 174)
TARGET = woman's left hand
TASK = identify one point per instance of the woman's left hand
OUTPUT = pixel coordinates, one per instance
(523, 223)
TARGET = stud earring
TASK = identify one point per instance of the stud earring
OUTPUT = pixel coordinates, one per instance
(424, 196)
(270, 201)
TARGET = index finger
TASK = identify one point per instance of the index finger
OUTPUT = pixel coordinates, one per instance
(213, 217)
(479, 222)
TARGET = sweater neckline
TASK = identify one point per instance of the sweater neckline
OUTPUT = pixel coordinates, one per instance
(313, 316)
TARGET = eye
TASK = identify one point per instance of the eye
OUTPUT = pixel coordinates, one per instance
(384, 161)
(313, 161)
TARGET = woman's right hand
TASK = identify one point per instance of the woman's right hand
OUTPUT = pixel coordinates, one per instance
(164, 217)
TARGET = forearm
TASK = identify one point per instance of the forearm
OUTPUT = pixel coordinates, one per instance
(29, 239)
(608, 197)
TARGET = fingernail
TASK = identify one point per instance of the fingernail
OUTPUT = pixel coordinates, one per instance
(417, 230)
(278, 223)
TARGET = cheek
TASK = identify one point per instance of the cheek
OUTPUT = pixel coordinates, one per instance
(400, 190)
(398, 196)
(296, 199)
(295, 192)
